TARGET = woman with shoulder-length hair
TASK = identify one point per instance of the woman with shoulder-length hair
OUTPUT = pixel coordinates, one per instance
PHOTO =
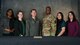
(9, 23)
(60, 24)
(72, 24)
(20, 24)
(33, 24)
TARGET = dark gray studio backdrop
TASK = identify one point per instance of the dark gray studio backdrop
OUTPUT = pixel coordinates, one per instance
(26, 5)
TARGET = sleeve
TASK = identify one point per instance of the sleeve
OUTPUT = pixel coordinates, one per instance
(63, 24)
(53, 24)
(1, 27)
(16, 28)
(40, 28)
(77, 28)
(27, 28)
(11, 24)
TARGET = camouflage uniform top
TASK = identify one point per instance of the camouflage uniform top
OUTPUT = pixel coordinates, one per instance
(49, 26)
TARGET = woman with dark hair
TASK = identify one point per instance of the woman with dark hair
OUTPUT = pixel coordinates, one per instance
(9, 23)
(33, 24)
(60, 24)
(72, 24)
(20, 24)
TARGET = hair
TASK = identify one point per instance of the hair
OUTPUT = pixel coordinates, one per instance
(49, 9)
(62, 17)
(74, 18)
(59, 21)
(12, 16)
(33, 10)
(18, 13)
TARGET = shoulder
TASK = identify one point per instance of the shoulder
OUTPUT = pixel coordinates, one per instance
(76, 22)
(63, 21)
(37, 19)
(27, 21)
(16, 20)
(51, 16)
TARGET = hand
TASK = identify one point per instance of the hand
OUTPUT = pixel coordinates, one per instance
(8, 30)
(58, 35)
(21, 35)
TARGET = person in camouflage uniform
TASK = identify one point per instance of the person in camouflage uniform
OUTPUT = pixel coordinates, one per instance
(49, 25)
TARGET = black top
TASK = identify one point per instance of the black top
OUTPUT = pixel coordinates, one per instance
(8, 24)
(60, 24)
(20, 27)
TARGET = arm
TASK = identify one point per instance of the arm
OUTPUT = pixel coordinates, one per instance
(11, 25)
(27, 28)
(77, 28)
(53, 25)
(62, 31)
(40, 28)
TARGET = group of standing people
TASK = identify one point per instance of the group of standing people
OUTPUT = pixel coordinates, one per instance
(49, 26)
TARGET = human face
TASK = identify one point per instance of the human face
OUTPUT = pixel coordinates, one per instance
(9, 13)
(48, 11)
(59, 16)
(70, 16)
(20, 15)
(33, 13)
